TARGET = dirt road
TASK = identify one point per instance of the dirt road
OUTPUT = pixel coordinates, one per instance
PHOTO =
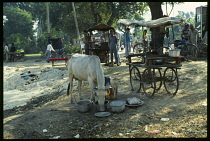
(50, 108)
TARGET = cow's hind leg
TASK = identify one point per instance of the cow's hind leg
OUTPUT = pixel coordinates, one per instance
(70, 86)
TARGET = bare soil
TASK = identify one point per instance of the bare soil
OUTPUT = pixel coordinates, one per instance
(49, 107)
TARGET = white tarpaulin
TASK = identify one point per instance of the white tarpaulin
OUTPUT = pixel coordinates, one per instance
(165, 21)
(129, 22)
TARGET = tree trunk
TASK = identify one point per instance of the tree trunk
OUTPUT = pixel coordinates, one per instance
(157, 35)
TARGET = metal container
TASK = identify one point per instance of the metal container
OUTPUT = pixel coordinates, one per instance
(174, 52)
(106, 104)
(84, 105)
(117, 106)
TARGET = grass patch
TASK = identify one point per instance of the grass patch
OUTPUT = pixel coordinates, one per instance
(33, 55)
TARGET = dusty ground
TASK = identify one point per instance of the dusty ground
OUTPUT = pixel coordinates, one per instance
(48, 107)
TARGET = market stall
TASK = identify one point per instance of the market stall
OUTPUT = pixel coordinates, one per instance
(100, 48)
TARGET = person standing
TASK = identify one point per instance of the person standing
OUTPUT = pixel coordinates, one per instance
(145, 37)
(6, 52)
(127, 42)
(145, 40)
(12, 55)
(113, 47)
(185, 31)
(48, 51)
(134, 41)
(86, 40)
(193, 35)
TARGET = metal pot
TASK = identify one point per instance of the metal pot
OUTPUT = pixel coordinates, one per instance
(118, 106)
(106, 104)
(84, 105)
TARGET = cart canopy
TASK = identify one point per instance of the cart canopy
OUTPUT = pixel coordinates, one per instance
(165, 21)
(129, 22)
(101, 27)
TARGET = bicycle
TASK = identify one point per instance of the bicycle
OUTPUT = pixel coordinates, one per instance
(188, 50)
(202, 50)
(141, 47)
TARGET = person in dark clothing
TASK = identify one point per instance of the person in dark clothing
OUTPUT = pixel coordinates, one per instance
(86, 40)
(12, 51)
(185, 31)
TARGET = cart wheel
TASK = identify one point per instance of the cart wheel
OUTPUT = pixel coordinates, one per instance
(148, 83)
(158, 78)
(135, 78)
(170, 80)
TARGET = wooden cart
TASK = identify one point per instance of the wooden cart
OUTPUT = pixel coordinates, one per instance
(18, 56)
(150, 79)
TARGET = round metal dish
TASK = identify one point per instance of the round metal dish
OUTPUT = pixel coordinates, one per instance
(135, 105)
(102, 114)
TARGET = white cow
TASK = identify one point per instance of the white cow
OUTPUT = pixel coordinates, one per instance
(87, 68)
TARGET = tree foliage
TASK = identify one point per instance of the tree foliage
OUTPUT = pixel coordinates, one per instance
(62, 24)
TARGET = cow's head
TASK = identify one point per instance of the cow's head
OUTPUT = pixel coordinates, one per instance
(101, 93)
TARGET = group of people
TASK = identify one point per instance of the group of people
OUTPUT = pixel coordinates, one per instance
(190, 34)
(9, 53)
(113, 43)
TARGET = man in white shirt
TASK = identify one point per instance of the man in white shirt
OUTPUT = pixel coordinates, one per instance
(193, 35)
(48, 51)
(134, 41)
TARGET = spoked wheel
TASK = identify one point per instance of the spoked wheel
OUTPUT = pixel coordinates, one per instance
(158, 79)
(135, 78)
(170, 81)
(192, 52)
(138, 48)
(148, 82)
(203, 50)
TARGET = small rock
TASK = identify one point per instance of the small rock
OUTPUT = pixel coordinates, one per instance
(44, 130)
(128, 131)
(80, 123)
(77, 136)
(56, 137)
(146, 128)
(120, 134)
(190, 110)
(174, 133)
(134, 131)
(204, 104)
(164, 119)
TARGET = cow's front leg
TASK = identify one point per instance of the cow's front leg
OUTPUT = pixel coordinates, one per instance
(92, 86)
(79, 88)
